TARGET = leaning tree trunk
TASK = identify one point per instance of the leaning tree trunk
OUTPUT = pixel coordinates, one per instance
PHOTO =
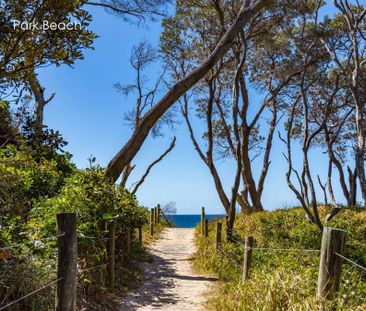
(130, 149)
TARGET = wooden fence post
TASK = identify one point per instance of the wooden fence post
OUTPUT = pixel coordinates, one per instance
(218, 235)
(158, 213)
(153, 215)
(203, 217)
(333, 241)
(206, 228)
(152, 222)
(111, 252)
(140, 234)
(67, 262)
(247, 257)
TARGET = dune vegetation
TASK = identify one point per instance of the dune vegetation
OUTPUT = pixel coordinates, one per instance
(282, 279)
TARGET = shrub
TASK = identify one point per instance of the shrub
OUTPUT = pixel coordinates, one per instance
(32, 234)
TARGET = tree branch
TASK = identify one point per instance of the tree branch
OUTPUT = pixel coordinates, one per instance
(140, 182)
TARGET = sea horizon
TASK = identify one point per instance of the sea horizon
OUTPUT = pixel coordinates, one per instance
(190, 220)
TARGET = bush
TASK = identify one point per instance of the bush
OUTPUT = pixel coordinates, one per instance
(23, 182)
(34, 193)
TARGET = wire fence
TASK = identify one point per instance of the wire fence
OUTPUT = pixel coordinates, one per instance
(351, 261)
(331, 255)
(295, 250)
(79, 271)
(68, 250)
(32, 241)
(30, 294)
(276, 249)
(49, 285)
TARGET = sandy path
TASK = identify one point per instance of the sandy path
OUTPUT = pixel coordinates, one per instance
(169, 281)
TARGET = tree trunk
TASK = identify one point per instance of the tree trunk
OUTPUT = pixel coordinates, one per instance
(329, 181)
(130, 149)
(352, 178)
(360, 152)
(38, 92)
(243, 201)
(247, 174)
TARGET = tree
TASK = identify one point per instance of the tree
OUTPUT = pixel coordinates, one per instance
(40, 101)
(345, 38)
(8, 126)
(169, 208)
(258, 54)
(135, 9)
(142, 56)
(129, 150)
(22, 50)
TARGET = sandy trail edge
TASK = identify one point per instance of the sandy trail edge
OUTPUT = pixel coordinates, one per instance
(169, 281)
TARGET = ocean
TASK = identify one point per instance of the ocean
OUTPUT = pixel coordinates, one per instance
(189, 221)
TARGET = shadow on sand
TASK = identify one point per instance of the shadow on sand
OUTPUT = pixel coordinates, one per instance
(156, 291)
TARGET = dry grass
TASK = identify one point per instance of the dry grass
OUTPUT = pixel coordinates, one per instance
(283, 280)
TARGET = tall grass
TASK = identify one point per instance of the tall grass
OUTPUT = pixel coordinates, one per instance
(283, 280)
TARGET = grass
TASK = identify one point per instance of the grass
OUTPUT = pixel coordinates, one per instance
(283, 280)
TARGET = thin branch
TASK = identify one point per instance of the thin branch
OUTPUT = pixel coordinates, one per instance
(140, 182)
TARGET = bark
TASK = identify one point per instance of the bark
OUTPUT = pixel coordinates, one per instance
(130, 149)
(38, 93)
(247, 175)
(360, 152)
(266, 161)
(243, 200)
(352, 179)
(324, 188)
(329, 182)
(228, 204)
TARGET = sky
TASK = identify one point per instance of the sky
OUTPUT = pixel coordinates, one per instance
(88, 111)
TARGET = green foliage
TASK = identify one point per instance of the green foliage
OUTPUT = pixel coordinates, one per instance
(7, 129)
(95, 201)
(35, 187)
(24, 49)
(24, 180)
(283, 280)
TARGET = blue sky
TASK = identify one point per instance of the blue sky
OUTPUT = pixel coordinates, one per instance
(88, 111)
